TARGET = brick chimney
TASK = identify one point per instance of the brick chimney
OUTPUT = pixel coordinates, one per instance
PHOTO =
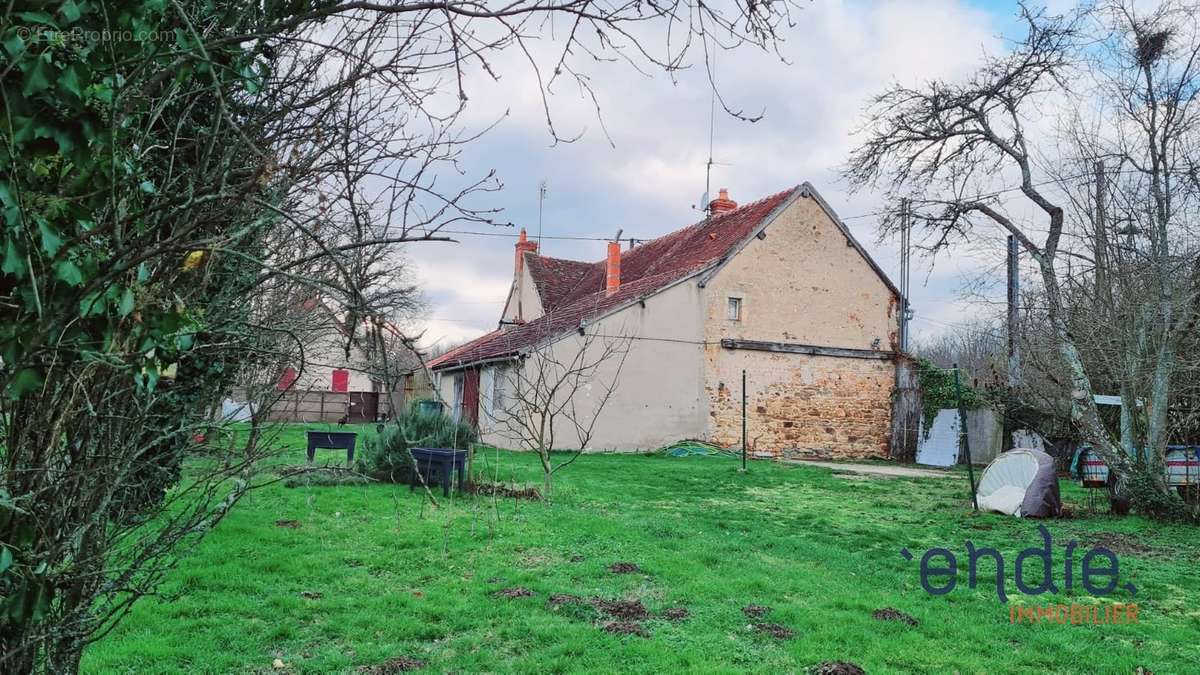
(722, 204)
(523, 245)
(613, 268)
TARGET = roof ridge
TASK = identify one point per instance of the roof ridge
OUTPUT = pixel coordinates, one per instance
(707, 221)
(550, 257)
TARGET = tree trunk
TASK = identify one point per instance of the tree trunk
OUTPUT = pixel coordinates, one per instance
(64, 656)
(13, 637)
(57, 655)
(1083, 407)
(547, 470)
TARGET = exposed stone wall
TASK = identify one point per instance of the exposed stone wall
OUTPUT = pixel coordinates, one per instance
(803, 283)
(802, 406)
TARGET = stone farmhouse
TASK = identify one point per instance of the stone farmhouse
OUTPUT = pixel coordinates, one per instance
(778, 288)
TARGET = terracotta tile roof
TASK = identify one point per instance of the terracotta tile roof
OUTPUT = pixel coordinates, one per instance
(557, 279)
(573, 291)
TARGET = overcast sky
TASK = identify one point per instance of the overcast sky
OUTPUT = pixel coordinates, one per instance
(648, 184)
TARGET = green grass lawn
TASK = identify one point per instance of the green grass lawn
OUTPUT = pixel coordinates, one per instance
(375, 572)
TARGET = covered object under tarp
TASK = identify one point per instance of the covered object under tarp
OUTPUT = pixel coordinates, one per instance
(1020, 483)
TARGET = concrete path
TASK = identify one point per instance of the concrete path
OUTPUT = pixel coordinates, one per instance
(875, 470)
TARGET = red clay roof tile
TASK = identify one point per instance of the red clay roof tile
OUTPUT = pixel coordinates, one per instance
(573, 292)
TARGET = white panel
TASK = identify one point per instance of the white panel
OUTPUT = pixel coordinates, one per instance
(940, 447)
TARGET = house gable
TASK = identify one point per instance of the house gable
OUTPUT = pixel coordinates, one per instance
(801, 278)
(523, 302)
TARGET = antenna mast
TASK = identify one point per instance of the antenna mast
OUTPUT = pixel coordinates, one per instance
(905, 271)
(712, 129)
(541, 200)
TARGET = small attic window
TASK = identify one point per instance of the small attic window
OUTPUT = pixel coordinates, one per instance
(734, 312)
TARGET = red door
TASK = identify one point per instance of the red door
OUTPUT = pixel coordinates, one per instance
(471, 396)
(287, 379)
(341, 380)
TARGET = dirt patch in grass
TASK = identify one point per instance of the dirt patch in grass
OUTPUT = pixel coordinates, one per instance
(289, 524)
(576, 558)
(1123, 544)
(676, 613)
(625, 610)
(624, 568)
(775, 630)
(533, 560)
(312, 595)
(626, 628)
(558, 599)
(396, 664)
(501, 490)
(836, 668)
(893, 614)
(321, 476)
(514, 592)
(755, 611)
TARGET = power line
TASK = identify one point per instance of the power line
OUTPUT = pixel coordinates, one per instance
(514, 236)
(870, 214)
(857, 216)
(994, 193)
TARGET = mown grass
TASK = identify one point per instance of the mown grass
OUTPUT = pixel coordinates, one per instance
(398, 576)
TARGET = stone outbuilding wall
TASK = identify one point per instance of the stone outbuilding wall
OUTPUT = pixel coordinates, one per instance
(802, 406)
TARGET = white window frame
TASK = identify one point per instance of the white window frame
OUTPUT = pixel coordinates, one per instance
(734, 305)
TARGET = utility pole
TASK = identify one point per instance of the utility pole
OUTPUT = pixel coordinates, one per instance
(964, 439)
(905, 238)
(1101, 240)
(1014, 342)
(1014, 316)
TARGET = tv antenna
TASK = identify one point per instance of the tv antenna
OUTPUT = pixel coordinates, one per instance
(541, 200)
(712, 133)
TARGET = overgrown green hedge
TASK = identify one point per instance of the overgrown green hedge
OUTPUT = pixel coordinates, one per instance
(386, 457)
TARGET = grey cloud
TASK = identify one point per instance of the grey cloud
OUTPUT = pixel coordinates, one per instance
(839, 54)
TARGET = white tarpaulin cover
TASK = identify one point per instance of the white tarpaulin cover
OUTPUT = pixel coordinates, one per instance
(1020, 483)
(236, 411)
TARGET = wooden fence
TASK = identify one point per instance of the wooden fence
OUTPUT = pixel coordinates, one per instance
(315, 405)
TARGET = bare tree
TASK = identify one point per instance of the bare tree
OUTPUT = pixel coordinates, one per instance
(169, 197)
(554, 394)
(949, 144)
(977, 347)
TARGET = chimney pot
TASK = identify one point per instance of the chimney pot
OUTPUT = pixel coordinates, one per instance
(523, 245)
(722, 204)
(613, 268)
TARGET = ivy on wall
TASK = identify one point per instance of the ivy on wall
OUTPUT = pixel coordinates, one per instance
(938, 391)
